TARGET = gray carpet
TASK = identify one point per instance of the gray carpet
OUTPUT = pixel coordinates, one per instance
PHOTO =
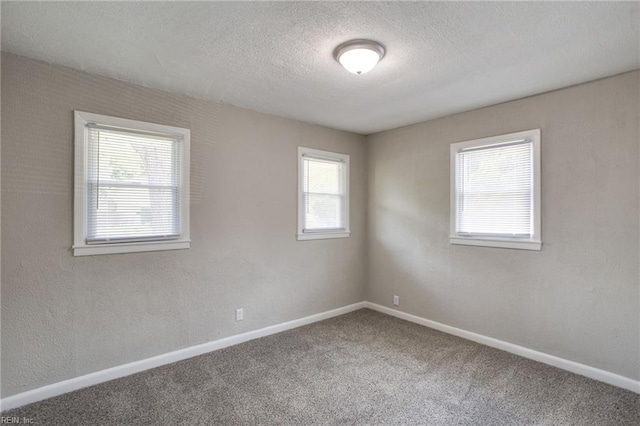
(360, 368)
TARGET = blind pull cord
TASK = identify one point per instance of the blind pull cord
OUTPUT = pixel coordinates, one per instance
(98, 176)
(306, 190)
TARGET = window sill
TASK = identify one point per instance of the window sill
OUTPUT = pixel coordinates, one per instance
(497, 242)
(91, 250)
(323, 235)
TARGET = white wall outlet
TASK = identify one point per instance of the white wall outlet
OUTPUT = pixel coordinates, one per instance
(396, 300)
(239, 314)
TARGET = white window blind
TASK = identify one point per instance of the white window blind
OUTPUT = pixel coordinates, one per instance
(323, 194)
(134, 184)
(494, 190)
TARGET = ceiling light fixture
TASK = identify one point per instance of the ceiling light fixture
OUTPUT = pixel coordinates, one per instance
(359, 56)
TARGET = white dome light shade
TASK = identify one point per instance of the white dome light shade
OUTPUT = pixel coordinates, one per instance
(359, 56)
(359, 61)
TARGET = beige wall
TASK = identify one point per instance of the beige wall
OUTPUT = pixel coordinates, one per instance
(578, 298)
(63, 316)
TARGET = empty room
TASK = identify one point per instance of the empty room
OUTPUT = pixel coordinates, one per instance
(304, 213)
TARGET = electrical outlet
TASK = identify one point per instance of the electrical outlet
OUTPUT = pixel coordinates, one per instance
(239, 314)
(396, 300)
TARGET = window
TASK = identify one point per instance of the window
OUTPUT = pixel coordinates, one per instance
(131, 186)
(495, 191)
(323, 194)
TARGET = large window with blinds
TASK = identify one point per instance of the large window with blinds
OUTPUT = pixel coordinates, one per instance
(131, 186)
(495, 191)
(323, 194)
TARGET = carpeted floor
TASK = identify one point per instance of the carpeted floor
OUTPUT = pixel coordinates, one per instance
(360, 368)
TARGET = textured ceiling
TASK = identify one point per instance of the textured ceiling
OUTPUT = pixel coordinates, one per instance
(276, 57)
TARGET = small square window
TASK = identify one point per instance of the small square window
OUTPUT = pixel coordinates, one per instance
(495, 191)
(131, 186)
(323, 194)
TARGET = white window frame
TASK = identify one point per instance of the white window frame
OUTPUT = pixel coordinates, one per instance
(532, 243)
(80, 246)
(304, 234)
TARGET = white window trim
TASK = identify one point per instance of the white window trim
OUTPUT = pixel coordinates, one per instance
(322, 234)
(533, 243)
(80, 247)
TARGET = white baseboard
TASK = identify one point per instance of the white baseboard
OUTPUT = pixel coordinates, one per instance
(102, 376)
(564, 364)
